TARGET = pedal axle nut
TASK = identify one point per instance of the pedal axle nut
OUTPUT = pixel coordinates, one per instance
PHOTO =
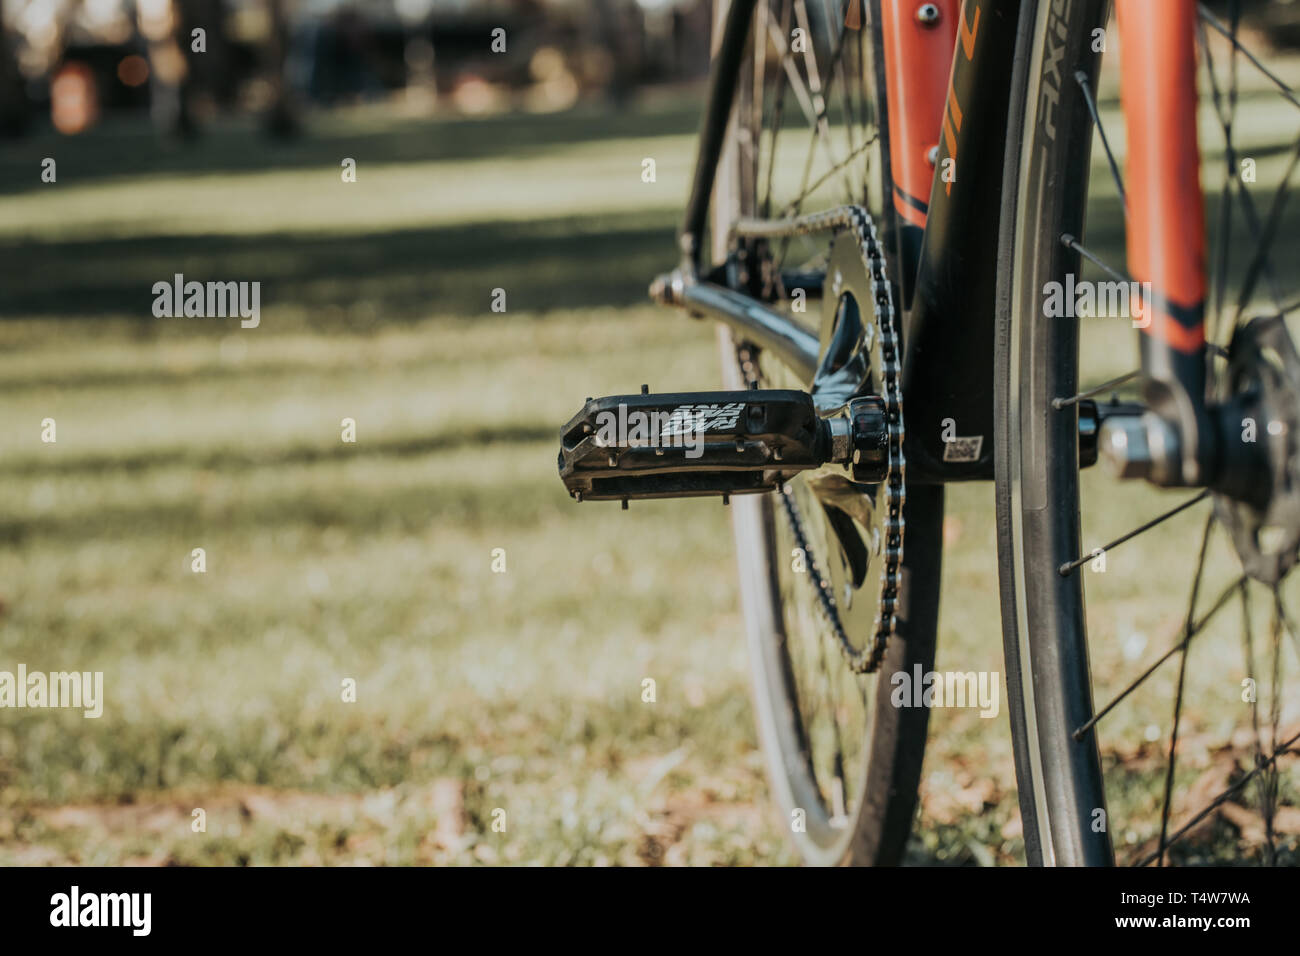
(869, 434)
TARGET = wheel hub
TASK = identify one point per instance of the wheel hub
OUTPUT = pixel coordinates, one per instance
(1264, 370)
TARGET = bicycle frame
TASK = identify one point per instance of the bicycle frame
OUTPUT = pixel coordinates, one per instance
(947, 81)
(1166, 217)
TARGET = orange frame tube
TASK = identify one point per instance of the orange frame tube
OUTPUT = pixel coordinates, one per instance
(1166, 215)
(918, 66)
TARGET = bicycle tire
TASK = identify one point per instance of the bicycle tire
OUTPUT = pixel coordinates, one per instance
(1045, 644)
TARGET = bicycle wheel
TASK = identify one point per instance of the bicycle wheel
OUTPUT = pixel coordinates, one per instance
(1176, 764)
(843, 762)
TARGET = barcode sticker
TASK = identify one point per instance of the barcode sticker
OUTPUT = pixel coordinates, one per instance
(963, 448)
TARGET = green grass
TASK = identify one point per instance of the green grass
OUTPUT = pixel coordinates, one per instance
(326, 561)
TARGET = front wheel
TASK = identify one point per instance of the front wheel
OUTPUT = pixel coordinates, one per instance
(1179, 760)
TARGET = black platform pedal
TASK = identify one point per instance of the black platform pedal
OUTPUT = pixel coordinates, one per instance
(691, 444)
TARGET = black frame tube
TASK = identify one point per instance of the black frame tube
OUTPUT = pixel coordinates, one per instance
(713, 128)
(950, 329)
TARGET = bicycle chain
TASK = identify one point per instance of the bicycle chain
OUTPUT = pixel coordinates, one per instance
(858, 222)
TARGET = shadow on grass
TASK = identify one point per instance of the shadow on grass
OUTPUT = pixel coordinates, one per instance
(360, 281)
(236, 459)
(564, 262)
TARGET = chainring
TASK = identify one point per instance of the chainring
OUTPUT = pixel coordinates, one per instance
(855, 585)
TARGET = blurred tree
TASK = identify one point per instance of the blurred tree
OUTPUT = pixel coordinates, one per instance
(282, 120)
(213, 71)
(163, 24)
(620, 30)
(14, 112)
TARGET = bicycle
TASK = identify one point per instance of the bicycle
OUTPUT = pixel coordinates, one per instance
(938, 202)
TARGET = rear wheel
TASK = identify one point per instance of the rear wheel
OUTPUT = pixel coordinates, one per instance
(844, 763)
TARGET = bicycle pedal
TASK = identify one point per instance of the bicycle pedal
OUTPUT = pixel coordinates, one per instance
(691, 444)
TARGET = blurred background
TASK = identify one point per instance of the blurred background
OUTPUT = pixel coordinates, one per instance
(498, 634)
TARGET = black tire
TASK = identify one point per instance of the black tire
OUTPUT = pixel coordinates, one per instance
(879, 823)
(1037, 460)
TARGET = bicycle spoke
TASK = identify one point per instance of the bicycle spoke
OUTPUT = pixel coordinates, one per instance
(1178, 697)
(1214, 22)
(1269, 788)
(1070, 566)
(1059, 403)
(1248, 642)
(1218, 801)
(1167, 802)
(1229, 173)
(810, 58)
(778, 107)
(1287, 308)
(1290, 630)
(796, 84)
(866, 112)
(1260, 259)
(1232, 182)
(819, 708)
(1082, 730)
(1247, 630)
(792, 207)
(1251, 217)
(1081, 78)
(821, 126)
(822, 94)
(837, 753)
(1070, 242)
(753, 143)
(839, 72)
(819, 95)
